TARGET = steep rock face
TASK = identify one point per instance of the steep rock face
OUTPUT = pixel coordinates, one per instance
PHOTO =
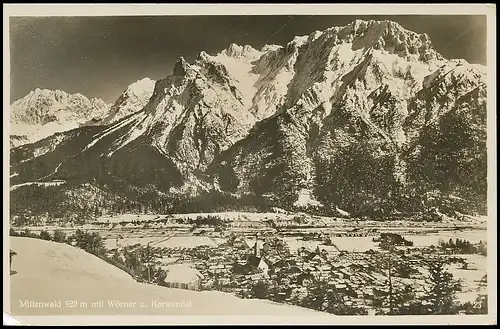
(44, 112)
(360, 118)
(348, 91)
(448, 152)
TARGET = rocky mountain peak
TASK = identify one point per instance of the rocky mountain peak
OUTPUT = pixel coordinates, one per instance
(43, 112)
(393, 38)
(203, 56)
(140, 86)
(267, 48)
(237, 51)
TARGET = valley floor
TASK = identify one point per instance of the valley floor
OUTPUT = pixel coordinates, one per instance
(220, 246)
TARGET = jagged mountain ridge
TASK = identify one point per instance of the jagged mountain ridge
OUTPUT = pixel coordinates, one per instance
(339, 118)
(44, 112)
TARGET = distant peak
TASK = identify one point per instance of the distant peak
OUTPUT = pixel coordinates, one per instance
(39, 91)
(141, 84)
(56, 95)
(143, 80)
(390, 36)
(359, 23)
(235, 50)
(267, 48)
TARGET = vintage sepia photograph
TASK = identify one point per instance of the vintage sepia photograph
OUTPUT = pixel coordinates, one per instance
(321, 165)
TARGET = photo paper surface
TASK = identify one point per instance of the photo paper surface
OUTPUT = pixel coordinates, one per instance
(250, 164)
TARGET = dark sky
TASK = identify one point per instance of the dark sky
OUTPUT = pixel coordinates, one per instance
(101, 56)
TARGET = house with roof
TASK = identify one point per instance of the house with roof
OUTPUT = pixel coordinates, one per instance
(255, 261)
(183, 276)
(317, 259)
(259, 263)
(274, 260)
(291, 272)
(278, 262)
(305, 251)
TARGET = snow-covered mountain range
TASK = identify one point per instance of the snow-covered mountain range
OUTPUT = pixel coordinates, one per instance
(44, 112)
(367, 117)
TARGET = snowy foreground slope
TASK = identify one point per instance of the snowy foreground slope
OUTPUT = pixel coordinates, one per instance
(49, 271)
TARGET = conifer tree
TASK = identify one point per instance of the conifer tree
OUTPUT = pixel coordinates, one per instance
(59, 236)
(440, 294)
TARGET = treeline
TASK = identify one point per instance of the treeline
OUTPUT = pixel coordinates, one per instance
(90, 242)
(78, 204)
(208, 220)
(388, 240)
(57, 236)
(215, 201)
(35, 205)
(211, 201)
(463, 246)
(138, 262)
(66, 203)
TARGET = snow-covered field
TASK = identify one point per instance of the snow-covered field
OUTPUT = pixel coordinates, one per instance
(128, 218)
(130, 241)
(294, 244)
(473, 236)
(232, 216)
(282, 219)
(163, 242)
(470, 278)
(48, 271)
(362, 244)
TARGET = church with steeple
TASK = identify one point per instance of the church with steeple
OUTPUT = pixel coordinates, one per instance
(255, 260)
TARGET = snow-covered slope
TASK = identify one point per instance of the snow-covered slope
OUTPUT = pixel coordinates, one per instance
(44, 112)
(344, 118)
(49, 271)
(133, 99)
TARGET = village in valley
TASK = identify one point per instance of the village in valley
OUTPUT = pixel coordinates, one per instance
(337, 265)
